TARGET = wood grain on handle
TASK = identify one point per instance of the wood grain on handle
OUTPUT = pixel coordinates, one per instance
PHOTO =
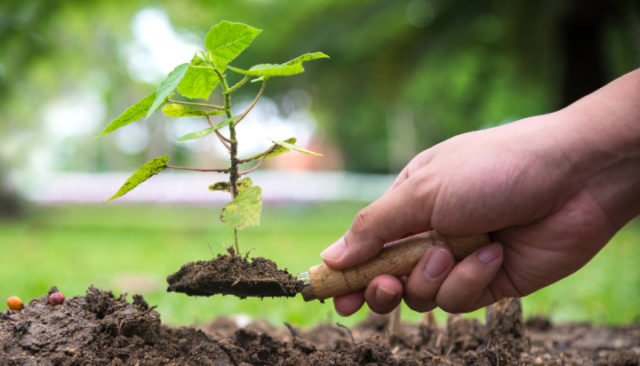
(397, 259)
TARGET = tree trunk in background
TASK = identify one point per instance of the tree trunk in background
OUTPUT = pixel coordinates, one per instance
(582, 41)
(11, 205)
(402, 135)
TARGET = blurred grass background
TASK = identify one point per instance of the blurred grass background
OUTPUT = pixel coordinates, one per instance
(115, 246)
(403, 76)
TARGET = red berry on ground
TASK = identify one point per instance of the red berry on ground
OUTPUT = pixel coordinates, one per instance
(15, 303)
(56, 298)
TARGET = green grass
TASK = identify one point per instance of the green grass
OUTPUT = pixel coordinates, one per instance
(76, 246)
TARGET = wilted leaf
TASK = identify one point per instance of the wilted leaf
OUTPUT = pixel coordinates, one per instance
(181, 110)
(148, 170)
(244, 211)
(288, 68)
(219, 186)
(206, 131)
(244, 183)
(273, 151)
(198, 83)
(131, 114)
(226, 41)
(277, 149)
(167, 87)
(296, 148)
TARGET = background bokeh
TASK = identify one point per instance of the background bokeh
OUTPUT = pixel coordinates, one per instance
(403, 75)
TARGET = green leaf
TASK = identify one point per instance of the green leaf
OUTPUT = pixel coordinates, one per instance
(167, 87)
(206, 131)
(148, 170)
(293, 147)
(288, 68)
(198, 82)
(181, 110)
(220, 186)
(226, 41)
(244, 211)
(131, 114)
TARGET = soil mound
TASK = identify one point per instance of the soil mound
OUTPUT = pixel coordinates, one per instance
(234, 275)
(101, 329)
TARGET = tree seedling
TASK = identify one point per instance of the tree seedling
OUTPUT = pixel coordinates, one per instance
(187, 91)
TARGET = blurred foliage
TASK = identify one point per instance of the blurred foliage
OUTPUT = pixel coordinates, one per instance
(404, 74)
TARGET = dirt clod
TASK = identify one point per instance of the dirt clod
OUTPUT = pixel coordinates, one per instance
(99, 329)
(234, 275)
(102, 329)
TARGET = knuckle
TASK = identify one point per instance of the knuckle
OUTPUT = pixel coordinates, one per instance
(469, 279)
(362, 221)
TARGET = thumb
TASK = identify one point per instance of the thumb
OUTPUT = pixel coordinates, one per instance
(401, 211)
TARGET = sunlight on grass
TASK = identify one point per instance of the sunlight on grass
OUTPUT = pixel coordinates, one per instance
(119, 246)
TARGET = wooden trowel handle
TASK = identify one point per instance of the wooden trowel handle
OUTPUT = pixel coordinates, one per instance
(397, 259)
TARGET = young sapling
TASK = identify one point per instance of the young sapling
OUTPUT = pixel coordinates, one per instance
(186, 92)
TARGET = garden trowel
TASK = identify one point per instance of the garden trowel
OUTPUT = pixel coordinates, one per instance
(397, 259)
(321, 282)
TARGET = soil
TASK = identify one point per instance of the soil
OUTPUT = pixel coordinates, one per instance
(102, 329)
(232, 274)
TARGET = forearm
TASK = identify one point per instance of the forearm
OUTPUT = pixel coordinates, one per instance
(606, 123)
(604, 133)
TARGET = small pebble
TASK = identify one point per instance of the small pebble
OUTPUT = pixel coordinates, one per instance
(56, 298)
(15, 303)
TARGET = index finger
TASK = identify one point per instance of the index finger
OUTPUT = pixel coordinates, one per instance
(401, 211)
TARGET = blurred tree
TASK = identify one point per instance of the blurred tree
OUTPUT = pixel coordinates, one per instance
(52, 49)
(404, 74)
(407, 74)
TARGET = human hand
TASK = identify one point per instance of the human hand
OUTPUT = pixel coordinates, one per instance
(546, 198)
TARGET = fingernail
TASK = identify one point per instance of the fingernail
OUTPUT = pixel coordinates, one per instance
(489, 253)
(383, 295)
(437, 263)
(335, 251)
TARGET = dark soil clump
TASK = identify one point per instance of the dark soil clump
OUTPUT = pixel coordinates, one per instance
(101, 329)
(234, 275)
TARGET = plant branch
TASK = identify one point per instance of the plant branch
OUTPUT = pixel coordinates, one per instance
(226, 171)
(262, 155)
(253, 157)
(254, 167)
(253, 104)
(203, 105)
(203, 67)
(223, 139)
(237, 85)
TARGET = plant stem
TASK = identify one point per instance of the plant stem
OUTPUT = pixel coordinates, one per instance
(223, 139)
(237, 85)
(226, 171)
(262, 155)
(253, 104)
(233, 151)
(254, 167)
(203, 105)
